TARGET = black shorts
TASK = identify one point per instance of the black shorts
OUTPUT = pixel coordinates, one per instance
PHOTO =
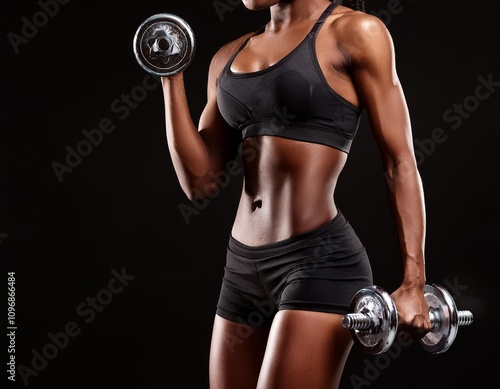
(319, 270)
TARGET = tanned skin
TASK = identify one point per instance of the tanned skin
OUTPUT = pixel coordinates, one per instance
(289, 187)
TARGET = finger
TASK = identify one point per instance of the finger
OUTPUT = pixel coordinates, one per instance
(417, 328)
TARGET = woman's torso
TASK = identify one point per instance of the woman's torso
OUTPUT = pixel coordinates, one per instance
(289, 184)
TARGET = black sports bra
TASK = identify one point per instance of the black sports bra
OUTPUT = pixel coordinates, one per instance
(290, 99)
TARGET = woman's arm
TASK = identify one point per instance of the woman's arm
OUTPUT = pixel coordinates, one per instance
(369, 48)
(198, 154)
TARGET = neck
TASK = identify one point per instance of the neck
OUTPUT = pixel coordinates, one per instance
(284, 14)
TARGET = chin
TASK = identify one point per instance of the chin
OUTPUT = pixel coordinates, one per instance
(256, 5)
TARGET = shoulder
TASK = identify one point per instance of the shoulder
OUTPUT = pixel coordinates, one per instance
(360, 33)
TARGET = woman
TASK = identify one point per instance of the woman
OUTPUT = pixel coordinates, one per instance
(290, 95)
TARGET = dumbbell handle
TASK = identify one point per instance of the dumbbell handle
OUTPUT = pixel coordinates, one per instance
(358, 321)
(464, 318)
(364, 321)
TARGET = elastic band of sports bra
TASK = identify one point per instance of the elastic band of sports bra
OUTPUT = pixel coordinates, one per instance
(299, 131)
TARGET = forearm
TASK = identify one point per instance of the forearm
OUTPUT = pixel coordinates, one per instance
(189, 153)
(406, 198)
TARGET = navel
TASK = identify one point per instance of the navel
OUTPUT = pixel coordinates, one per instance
(257, 203)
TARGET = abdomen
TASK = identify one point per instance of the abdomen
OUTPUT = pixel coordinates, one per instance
(288, 188)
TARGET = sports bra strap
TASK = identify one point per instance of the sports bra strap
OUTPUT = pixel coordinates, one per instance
(324, 16)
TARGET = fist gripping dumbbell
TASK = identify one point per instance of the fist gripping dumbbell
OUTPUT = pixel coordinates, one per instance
(374, 320)
(164, 44)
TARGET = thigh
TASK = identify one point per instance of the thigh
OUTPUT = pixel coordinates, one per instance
(236, 354)
(306, 349)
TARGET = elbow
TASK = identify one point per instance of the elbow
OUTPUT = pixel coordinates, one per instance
(205, 185)
(402, 168)
(201, 191)
(194, 195)
(407, 164)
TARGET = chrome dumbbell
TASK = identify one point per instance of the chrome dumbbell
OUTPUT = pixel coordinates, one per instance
(164, 44)
(373, 320)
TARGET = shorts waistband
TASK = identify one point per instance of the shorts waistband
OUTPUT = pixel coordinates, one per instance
(288, 244)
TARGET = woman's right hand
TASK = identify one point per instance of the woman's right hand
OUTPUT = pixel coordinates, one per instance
(413, 311)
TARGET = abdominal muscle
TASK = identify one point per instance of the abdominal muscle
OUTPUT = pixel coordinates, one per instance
(288, 189)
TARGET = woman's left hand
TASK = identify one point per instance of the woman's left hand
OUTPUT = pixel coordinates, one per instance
(413, 311)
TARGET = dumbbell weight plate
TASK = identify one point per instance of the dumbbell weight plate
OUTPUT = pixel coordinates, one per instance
(164, 44)
(441, 303)
(376, 302)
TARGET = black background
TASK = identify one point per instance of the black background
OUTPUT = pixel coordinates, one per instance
(119, 209)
